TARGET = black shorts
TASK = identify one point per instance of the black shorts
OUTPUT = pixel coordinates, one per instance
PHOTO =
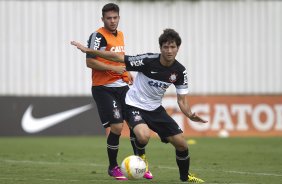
(110, 103)
(158, 121)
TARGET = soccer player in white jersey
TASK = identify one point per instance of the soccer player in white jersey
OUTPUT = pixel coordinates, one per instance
(156, 72)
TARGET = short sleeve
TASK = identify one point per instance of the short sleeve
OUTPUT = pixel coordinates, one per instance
(181, 84)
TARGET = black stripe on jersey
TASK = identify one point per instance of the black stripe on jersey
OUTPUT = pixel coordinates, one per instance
(97, 42)
(140, 57)
(136, 62)
(92, 40)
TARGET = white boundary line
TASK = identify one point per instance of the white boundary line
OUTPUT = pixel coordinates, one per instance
(236, 172)
(251, 173)
(51, 163)
(96, 180)
(55, 180)
(161, 167)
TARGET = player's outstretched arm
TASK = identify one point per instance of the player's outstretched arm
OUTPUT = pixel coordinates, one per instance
(185, 108)
(103, 54)
(94, 64)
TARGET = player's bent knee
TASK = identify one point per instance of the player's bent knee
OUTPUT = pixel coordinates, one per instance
(181, 147)
(143, 136)
(142, 133)
(178, 142)
(143, 139)
(116, 128)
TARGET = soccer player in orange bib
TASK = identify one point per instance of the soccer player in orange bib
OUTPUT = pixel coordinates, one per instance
(110, 85)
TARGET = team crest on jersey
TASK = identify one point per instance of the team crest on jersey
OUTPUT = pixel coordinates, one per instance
(173, 77)
(116, 114)
(137, 118)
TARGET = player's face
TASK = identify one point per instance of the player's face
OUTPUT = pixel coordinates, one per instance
(168, 52)
(111, 20)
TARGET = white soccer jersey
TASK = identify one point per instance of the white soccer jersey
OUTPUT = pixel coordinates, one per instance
(152, 80)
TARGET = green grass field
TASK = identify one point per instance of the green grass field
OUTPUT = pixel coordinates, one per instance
(83, 160)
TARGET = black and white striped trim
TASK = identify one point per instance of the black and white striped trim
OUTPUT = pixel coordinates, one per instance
(112, 147)
(138, 147)
(182, 158)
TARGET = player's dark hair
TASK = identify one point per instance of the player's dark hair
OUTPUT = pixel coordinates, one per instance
(110, 7)
(170, 35)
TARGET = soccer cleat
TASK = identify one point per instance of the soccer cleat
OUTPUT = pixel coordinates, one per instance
(148, 175)
(194, 179)
(116, 173)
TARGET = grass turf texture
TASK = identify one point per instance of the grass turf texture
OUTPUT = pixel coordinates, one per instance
(71, 160)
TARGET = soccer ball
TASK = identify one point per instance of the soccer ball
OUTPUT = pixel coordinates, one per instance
(133, 167)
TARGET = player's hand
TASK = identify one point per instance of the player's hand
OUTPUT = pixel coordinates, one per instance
(79, 46)
(119, 69)
(130, 79)
(196, 118)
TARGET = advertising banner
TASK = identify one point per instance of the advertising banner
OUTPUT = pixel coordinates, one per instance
(28, 116)
(231, 115)
(227, 116)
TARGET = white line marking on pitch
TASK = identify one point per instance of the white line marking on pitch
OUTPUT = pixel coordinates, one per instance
(96, 180)
(236, 172)
(161, 167)
(51, 163)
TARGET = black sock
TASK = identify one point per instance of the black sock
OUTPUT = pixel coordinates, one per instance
(132, 141)
(112, 148)
(183, 162)
(140, 148)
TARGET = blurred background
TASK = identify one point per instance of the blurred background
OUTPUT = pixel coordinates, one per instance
(232, 50)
